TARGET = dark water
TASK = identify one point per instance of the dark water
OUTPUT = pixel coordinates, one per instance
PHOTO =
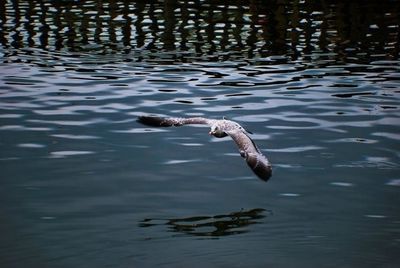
(84, 185)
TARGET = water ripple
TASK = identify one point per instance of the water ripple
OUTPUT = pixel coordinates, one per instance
(296, 149)
(75, 137)
(63, 154)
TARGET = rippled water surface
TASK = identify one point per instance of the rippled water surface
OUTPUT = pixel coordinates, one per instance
(84, 185)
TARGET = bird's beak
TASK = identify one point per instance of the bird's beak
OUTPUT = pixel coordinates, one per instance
(210, 133)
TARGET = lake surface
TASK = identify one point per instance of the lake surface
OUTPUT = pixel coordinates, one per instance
(84, 185)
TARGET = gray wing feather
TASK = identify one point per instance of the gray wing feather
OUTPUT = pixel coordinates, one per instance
(249, 151)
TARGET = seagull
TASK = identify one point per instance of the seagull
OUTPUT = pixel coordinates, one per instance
(221, 128)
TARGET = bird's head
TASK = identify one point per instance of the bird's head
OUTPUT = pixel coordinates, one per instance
(217, 132)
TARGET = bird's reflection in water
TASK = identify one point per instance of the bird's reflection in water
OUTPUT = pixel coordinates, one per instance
(212, 226)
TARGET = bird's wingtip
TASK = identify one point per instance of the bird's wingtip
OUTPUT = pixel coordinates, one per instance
(260, 166)
(154, 121)
(266, 174)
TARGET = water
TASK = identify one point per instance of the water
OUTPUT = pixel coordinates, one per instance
(84, 185)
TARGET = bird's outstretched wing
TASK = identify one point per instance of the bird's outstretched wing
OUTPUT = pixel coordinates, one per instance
(156, 121)
(249, 151)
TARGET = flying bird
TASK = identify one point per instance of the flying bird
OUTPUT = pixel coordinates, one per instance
(221, 128)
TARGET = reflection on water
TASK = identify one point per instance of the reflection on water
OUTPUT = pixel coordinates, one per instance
(211, 226)
(317, 82)
(202, 30)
